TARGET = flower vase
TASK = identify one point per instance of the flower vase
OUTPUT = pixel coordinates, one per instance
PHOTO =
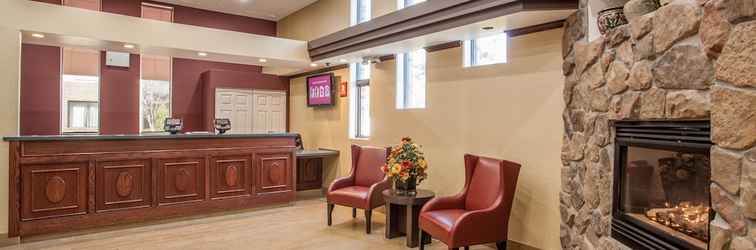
(408, 187)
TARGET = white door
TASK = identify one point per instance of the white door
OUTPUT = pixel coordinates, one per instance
(235, 105)
(269, 112)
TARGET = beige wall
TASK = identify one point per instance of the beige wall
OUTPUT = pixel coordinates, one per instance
(325, 17)
(10, 70)
(510, 111)
(318, 19)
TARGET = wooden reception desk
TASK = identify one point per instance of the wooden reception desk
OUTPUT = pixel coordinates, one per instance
(65, 183)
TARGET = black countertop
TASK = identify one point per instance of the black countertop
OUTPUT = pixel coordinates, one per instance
(316, 153)
(143, 137)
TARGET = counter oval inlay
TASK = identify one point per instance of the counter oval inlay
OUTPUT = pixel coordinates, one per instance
(232, 176)
(55, 189)
(124, 184)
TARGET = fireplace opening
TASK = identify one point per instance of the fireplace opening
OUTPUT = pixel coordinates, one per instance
(661, 184)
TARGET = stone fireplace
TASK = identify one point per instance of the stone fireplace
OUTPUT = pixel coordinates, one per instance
(688, 60)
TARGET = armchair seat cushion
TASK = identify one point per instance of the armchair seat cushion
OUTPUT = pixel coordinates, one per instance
(440, 222)
(352, 196)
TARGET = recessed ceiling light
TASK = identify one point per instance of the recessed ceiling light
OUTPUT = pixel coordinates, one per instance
(313, 64)
(263, 60)
(128, 46)
(202, 54)
(38, 35)
(342, 60)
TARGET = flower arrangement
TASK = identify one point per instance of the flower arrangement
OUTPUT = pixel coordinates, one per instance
(406, 163)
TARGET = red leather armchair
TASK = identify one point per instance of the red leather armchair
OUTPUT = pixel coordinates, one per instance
(480, 213)
(362, 188)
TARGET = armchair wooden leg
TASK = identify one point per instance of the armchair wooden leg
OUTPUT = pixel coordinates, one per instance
(424, 237)
(354, 213)
(368, 220)
(329, 213)
(502, 245)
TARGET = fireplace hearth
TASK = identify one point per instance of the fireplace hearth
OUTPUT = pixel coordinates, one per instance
(661, 184)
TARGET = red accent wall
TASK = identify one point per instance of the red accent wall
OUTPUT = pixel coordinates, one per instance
(40, 90)
(119, 97)
(197, 17)
(214, 79)
(188, 90)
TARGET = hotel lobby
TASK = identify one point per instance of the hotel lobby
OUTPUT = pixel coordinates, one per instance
(378, 124)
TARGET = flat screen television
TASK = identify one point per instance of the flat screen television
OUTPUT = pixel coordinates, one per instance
(320, 90)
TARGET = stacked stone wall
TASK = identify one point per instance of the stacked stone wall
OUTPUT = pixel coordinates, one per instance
(690, 59)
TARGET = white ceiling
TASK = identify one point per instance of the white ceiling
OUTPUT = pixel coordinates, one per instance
(265, 9)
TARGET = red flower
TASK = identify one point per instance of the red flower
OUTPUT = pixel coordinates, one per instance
(406, 164)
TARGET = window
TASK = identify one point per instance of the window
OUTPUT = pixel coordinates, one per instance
(82, 115)
(154, 93)
(360, 11)
(84, 4)
(405, 3)
(486, 50)
(155, 81)
(80, 85)
(361, 100)
(410, 82)
(157, 12)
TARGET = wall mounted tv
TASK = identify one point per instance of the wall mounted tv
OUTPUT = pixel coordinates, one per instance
(320, 90)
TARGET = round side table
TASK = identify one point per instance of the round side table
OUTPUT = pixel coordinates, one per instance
(402, 213)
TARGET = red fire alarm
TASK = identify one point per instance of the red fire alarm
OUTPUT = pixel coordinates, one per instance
(343, 89)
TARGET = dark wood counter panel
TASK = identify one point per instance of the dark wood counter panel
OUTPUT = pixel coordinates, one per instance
(66, 183)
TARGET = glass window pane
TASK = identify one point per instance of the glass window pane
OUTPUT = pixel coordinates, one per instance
(364, 111)
(363, 71)
(411, 82)
(362, 10)
(486, 50)
(155, 104)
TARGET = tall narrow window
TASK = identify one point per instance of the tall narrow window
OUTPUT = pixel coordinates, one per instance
(80, 90)
(486, 50)
(154, 93)
(361, 11)
(155, 82)
(361, 100)
(405, 3)
(410, 82)
(359, 111)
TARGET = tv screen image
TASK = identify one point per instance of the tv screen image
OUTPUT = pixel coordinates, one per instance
(320, 90)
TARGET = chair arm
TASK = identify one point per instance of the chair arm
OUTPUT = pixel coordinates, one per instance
(375, 197)
(341, 183)
(449, 202)
(495, 219)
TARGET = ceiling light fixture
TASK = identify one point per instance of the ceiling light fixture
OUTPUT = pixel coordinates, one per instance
(343, 60)
(313, 64)
(128, 46)
(38, 35)
(202, 54)
(262, 60)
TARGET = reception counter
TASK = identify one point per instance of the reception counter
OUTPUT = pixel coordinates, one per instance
(65, 183)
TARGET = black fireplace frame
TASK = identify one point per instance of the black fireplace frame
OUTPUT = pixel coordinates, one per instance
(664, 135)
